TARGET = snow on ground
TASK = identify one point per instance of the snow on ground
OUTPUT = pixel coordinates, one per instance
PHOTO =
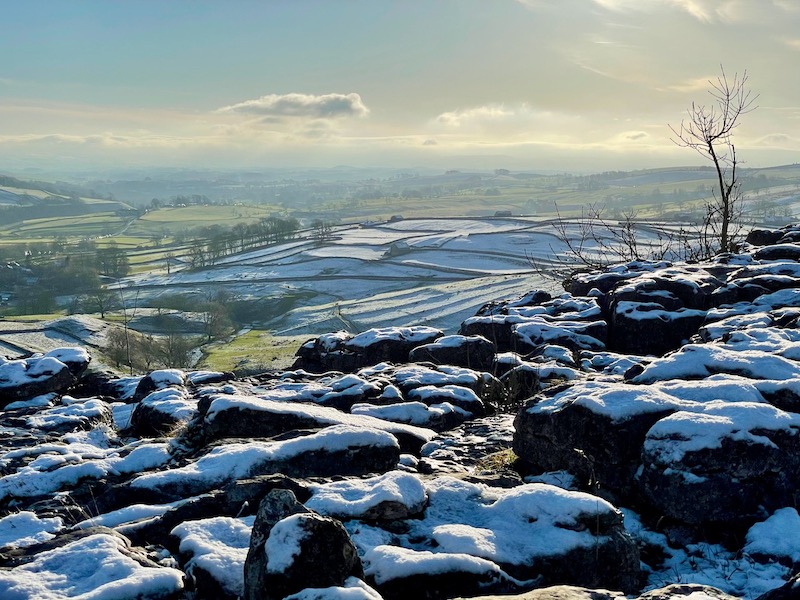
(347, 251)
(75, 330)
(708, 564)
(353, 589)
(218, 546)
(350, 499)
(26, 528)
(479, 225)
(778, 536)
(97, 567)
(76, 461)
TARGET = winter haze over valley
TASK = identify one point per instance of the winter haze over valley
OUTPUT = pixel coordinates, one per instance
(387, 300)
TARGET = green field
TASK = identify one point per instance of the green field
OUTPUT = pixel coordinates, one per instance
(251, 352)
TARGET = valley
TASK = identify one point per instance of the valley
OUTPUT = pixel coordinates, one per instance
(353, 254)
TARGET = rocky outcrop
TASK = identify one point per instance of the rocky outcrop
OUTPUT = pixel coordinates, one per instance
(307, 550)
(726, 463)
(162, 411)
(594, 430)
(648, 328)
(247, 417)
(276, 505)
(292, 548)
(473, 352)
(30, 377)
(342, 351)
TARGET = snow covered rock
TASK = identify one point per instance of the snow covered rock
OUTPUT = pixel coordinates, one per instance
(77, 359)
(353, 589)
(410, 377)
(691, 286)
(155, 522)
(778, 251)
(25, 528)
(473, 352)
(99, 565)
(276, 505)
(697, 361)
(214, 552)
(42, 469)
(238, 416)
(388, 497)
(159, 380)
(502, 541)
(331, 389)
(25, 378)
(292, 548)
(307, 550)
(763, 237)
(776, 539)
(595, 430)
(437, 417)
(522, 327)
(502, 307)
(71, 415)
(402, 573)
(498, 329)
(727, 462)
(686, 592)
(789, 591)
(462, 397)
(537, 331)
(646, 328)
(344, 352)
(560, 592)
(162, 411)
(335, 450)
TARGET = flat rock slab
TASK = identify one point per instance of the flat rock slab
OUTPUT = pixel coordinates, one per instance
(231, 416)
(335, 450)
(726, 462)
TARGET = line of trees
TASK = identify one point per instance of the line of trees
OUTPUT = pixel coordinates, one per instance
(214, 242)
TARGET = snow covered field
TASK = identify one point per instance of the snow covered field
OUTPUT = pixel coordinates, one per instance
(422, 271)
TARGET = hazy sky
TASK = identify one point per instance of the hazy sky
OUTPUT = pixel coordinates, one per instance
(534, 84)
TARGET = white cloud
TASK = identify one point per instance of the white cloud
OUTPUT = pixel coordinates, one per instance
(779, 140)
(707, 11)
(460, 118)
(279, 107)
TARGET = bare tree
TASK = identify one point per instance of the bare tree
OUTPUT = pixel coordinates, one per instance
(708, 130)
(593, 241)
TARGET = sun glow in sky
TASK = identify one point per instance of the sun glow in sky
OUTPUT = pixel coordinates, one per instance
(585, 85)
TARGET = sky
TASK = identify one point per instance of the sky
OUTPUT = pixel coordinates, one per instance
(565, 85)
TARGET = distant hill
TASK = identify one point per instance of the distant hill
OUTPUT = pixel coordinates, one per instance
(20, 200)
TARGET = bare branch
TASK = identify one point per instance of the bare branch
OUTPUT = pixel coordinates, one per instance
(708, 130)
